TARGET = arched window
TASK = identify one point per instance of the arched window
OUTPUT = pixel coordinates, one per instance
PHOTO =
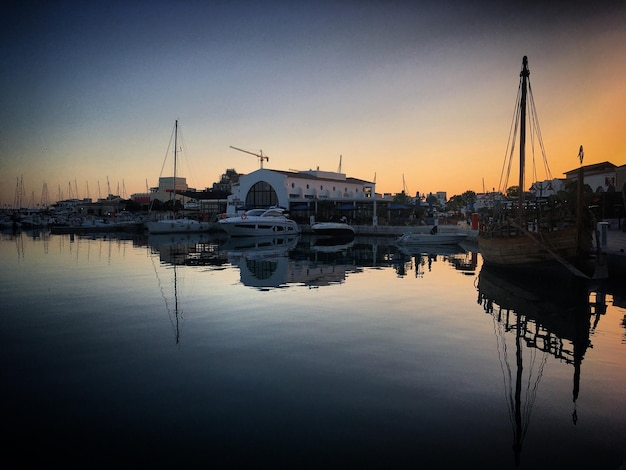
(261, 195)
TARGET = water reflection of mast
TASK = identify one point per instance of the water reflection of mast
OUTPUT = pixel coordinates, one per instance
(519, 410)
(176, 324)
(547, 317)
(174, 319)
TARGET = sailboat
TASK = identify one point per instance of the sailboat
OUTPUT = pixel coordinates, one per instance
(528, 233)
(173, 224)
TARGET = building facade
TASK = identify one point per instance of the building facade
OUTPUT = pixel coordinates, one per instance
(302, 193)
(601, 177)
(164, 191)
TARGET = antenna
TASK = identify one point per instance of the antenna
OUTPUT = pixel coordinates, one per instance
(339, 169)
(260, 155)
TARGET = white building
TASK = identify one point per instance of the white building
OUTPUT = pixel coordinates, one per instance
(601, 177)
(298, 191)
(164, 191)
(547, 188)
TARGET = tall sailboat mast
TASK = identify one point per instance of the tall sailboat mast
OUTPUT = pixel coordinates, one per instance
(522, 137)
(175, 150)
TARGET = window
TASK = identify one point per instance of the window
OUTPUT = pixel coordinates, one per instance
(261, 195)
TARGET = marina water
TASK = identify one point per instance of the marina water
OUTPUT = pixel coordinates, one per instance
(173, 350)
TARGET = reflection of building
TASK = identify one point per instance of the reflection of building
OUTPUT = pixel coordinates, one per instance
(267, 264)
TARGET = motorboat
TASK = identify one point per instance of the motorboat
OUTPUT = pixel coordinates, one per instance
(333, 229)
(260, 222)
(434, 237)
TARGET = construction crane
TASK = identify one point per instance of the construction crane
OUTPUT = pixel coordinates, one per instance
(259, 155)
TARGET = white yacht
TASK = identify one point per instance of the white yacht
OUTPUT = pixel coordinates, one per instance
(260, 222)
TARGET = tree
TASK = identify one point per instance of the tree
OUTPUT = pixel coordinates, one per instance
(456, 203)
(512, 192)
(463, 201)
(401, 198)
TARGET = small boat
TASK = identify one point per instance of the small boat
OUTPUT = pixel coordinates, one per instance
(333, 229)
(260, 222)
(172, 223)
(434, 237)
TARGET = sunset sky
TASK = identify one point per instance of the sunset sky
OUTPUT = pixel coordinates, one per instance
(416, 94)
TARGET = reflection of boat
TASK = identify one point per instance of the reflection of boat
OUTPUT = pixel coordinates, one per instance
(538, 232)
(173, 224)
(258, 247)
(415, 249)
(332, 229)
(434, 237)
(260, 222)
(188, 248)
(322, 246)
(548, 319)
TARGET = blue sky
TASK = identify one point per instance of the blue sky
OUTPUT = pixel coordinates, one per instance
(409, 93)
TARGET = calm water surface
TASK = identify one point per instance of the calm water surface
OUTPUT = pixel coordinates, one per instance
(214, 352)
